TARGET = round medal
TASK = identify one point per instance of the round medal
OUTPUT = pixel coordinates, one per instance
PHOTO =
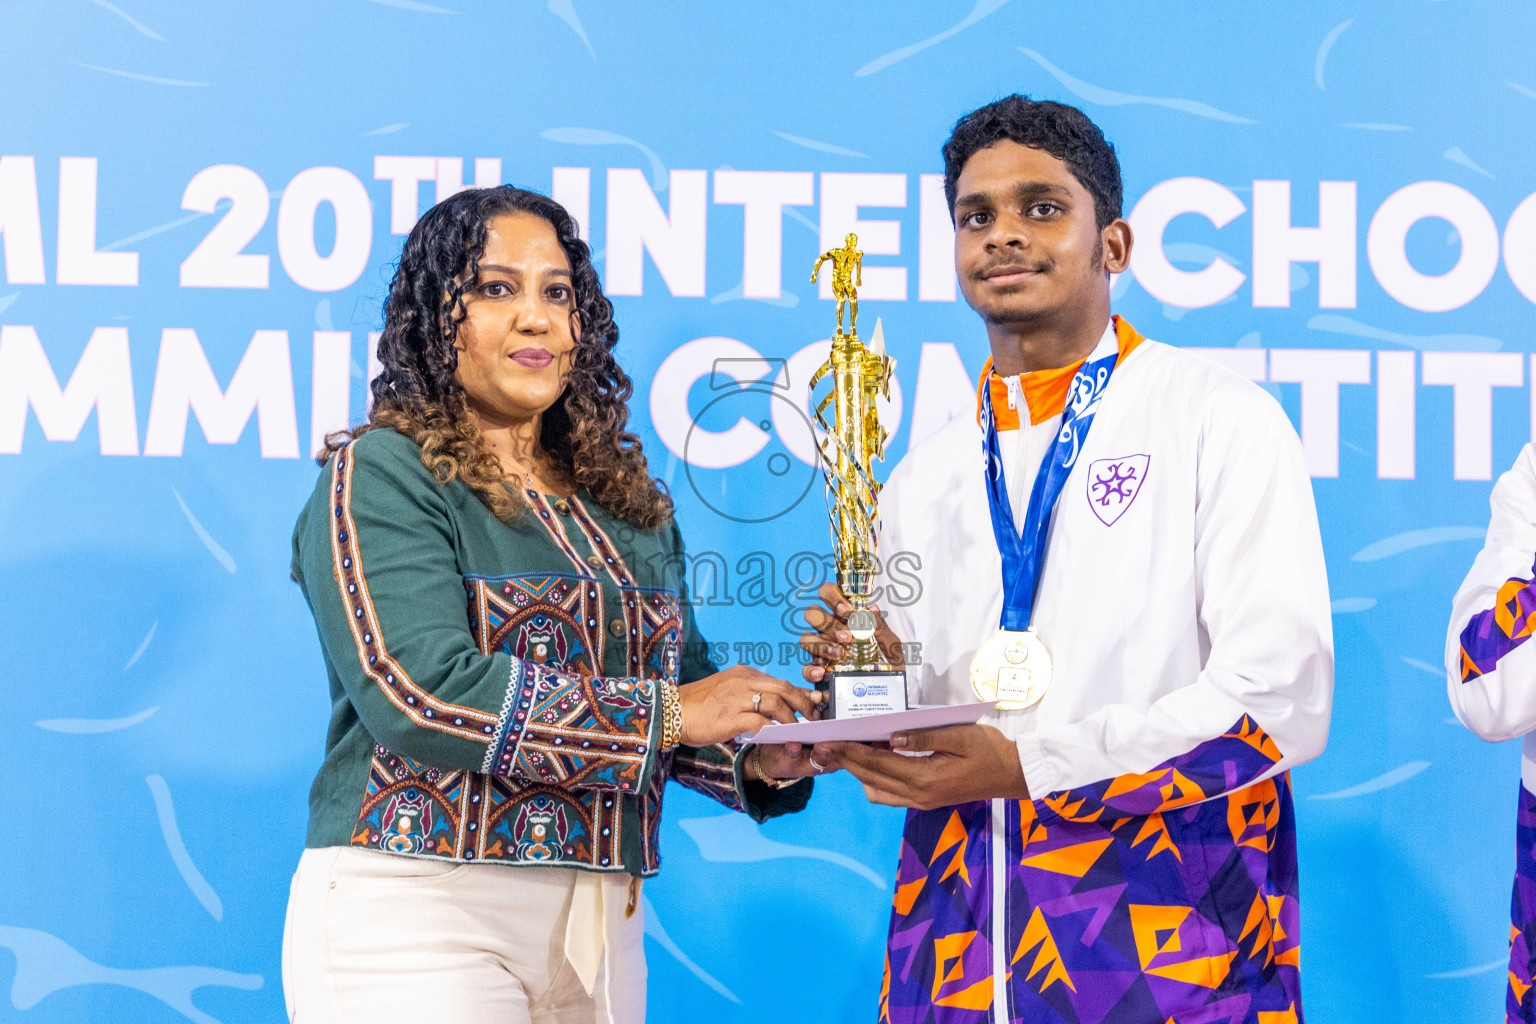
(1012, 668)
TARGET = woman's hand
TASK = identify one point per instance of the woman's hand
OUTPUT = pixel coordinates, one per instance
(831, 638)
(740, 700)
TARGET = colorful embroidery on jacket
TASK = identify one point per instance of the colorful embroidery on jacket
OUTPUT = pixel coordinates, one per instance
(1166, 895)
(566, 755)
(472, 816)
(710, 771)
(545, 619)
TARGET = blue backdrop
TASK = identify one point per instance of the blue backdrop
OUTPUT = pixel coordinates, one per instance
(200, 206)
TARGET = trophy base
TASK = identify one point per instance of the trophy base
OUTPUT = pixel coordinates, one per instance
(859, 693)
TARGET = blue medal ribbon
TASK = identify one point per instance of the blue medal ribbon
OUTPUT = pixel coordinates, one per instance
(1024, 553)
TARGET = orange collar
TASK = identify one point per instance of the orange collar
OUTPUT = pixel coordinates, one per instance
(1045, 391)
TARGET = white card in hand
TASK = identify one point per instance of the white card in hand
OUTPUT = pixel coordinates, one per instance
(872, 728)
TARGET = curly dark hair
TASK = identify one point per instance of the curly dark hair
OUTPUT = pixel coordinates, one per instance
(1064, 132)
(418, 392)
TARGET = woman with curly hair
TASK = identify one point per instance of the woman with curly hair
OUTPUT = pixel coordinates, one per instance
(514, 667)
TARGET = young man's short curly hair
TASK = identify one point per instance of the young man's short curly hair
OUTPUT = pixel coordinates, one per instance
(1055, 128)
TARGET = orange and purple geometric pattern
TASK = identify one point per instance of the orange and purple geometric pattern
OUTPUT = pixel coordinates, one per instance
(1518, 999)
(1493, 633)
(1487, 638)
(1143, 899)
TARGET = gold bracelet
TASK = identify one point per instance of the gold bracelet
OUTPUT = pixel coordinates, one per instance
(755, 761)
(671, 715)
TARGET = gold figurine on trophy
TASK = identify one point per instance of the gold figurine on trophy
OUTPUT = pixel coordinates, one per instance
(847, 279)
(862, 682)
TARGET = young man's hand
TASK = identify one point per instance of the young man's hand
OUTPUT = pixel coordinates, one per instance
(968, 762)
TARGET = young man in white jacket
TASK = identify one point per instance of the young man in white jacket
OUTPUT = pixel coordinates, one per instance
(1491, 676)
(1120, 850)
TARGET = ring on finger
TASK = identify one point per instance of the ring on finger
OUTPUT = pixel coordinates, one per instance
(817, 765)
(757, 703)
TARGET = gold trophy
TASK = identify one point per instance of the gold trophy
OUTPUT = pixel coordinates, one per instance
(862, 682)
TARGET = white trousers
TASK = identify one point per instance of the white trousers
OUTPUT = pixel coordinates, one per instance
(378, 938)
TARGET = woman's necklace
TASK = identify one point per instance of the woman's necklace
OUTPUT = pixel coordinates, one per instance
(518, 468)
(527, 472)
(527, 478)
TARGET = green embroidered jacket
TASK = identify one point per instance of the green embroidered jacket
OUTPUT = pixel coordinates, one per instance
(494, 688)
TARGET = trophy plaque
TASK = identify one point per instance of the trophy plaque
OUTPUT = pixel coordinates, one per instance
(862, 682)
